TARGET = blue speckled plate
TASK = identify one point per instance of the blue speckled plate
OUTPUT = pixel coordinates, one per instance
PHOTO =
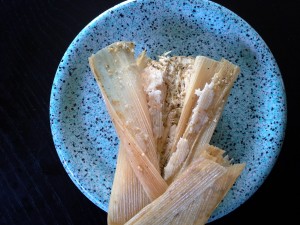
(253, 123)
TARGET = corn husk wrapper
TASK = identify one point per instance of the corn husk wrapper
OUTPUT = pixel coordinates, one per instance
(126, 188)
(117, 75)
(203, 70)
(208, 103)
(193, 195)
(153, 183)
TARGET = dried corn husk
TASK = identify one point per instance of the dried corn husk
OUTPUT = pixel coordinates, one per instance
(203, 70)
(126, 188)
(209, 104)
(192, 197)
(117, 74)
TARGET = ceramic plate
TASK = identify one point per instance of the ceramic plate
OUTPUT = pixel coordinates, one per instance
(252, 126)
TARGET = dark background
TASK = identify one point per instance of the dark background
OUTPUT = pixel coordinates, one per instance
(34, 187)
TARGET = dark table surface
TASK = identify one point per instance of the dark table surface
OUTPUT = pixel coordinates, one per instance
(34, 187)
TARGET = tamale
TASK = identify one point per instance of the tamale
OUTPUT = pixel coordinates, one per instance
(165, 112)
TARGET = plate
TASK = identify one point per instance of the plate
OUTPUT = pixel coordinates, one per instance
(253, 122)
